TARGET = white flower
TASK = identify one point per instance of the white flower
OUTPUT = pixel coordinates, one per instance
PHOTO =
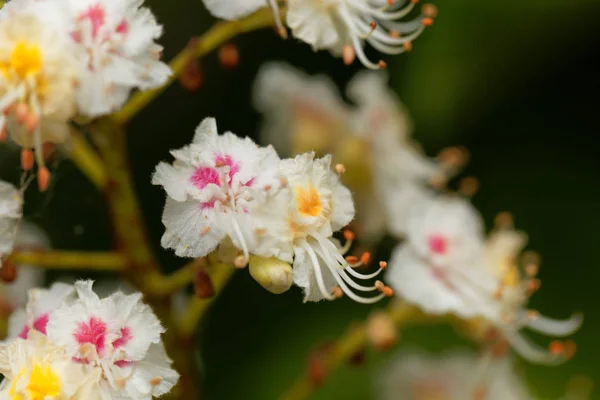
(342, 26)
(372, 140)
(37, 83)
(296, 224)
(210, 188)
(37, 369)
(236, 9)
(121, 336)
(440, 265)
(115, 45)
(457, 375)
(41, 305)
(516, 277)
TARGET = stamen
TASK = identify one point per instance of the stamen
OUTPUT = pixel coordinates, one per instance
(365, 258)
(340, 169)
(27, 159)
(43, 178)
(317, 271)
(280, 28)
(338, 292)
(504, 220)
(382, 265)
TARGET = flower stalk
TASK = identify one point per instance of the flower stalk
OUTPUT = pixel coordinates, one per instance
(72, 260)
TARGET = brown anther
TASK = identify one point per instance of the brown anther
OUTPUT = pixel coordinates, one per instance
(381, 331)
(453, 157)
(533, 285)
(500, 349)
(394, 34)
(267, 188)
(407, 46)
(438, 181)
(570, 349)
(531, 270)
(468, 186)
(240, 261)
(352, 259)
(427, 21)
(21, 112)
(531, 257)
(282, 32)
(203, 286)
(373, 25)
(479, 393)
(429, 10)
(379, 286)
(348, 234)
(365, 258)
(192, 77)
(337, 292)
(504, 220)
(348, 54)
(340, 169)
(3, 134)
(388, 291)
(229, 56)
(204, 230)
(32, 121)
(43, 176)
(414, 1)
(8, 272)
(382, 265)
(317, 370)
(556, 347)
(48, 150)
(390, 2)
(533, 314)
(156, 381)
(27, 159)
(382, 64)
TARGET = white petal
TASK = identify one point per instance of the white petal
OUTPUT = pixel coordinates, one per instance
(233, 9)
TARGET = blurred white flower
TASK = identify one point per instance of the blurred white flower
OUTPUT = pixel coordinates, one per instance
(210, 190)
(236, 9)
(446, 265)
(115, 45)
(296, 224)
(384, 169)
(342, 26)
(119, 335)
(37, 84)
(457, 375)
(11, 205)
(37, 368)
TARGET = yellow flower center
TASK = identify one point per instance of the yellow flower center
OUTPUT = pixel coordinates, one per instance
(25, 59)
(308, 201)
(43, 383)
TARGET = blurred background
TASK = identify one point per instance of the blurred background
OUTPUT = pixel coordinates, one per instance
(516, 82)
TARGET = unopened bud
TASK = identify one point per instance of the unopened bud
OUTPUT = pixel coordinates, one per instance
(271, 273)
(381, 331)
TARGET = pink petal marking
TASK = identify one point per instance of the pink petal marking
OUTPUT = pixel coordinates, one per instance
(438, 244)
(96, 16)
(40, 323)
(222, 160)
(24, 332)
(123, 27)
(205, 175)
(122, 363)
(208, 205)
(93, 332)
(126, 336)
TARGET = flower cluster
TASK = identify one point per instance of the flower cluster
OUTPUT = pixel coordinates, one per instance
(66, 58)
(68, 343)
(227, 192)
(372, 139)
(342, 26)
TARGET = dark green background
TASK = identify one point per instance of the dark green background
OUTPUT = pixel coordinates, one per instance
(516, 82)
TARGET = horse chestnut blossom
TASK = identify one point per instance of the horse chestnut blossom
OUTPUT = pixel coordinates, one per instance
(372, 140)
(114, 42)
(119, 335)
(37, 368)
(296, 223)
(210, 188)
(37, 85)
(454, 375)
(235, 9)
(447, 266)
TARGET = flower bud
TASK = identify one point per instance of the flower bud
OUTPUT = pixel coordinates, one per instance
(271, 273)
